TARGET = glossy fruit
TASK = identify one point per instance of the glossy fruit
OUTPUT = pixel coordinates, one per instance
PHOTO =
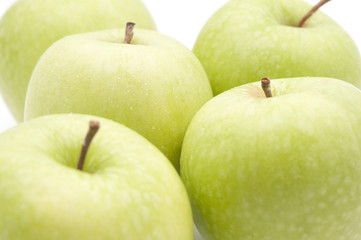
(285, 167)
(247, 40)
(127, 189)
(154, 85)
(31, 26)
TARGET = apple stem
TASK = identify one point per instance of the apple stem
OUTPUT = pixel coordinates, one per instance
(93, 129)
(311, 12)
(266, 86)
(129, 32)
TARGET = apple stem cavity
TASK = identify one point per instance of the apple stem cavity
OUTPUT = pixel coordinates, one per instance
(129, 32)
(311, 12)
(93, 129)
(266, 86)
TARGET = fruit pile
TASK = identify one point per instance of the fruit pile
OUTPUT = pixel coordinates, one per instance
(128, 135)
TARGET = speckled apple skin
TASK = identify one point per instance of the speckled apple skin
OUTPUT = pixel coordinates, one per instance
(128, 189)
(154, 85)
(286, 167)
(247, 40)
(31, 26)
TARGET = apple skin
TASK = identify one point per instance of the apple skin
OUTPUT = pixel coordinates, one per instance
(29, 27)
(154, 85)
(128, 189)
(257, 38)
(286, 167)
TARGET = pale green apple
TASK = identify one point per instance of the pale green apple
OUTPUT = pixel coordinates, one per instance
(127, 189)
(246, 40)
(31, 26)
(285, 167)
(154, 85)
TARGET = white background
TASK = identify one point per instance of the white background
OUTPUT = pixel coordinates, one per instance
(183, 20)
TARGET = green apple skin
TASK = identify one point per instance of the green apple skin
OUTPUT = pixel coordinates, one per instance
(286, 167)
(247, 40)
(154, 85)
(127, 190)
(31, 26)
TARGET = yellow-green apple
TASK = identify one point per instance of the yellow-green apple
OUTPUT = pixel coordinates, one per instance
(282, 167)
(29, 27)
(126, 189)
(153, 85)
(246, 40)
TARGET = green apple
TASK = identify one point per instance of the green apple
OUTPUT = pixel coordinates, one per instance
(246, 40)
(153, 85)
(284, 167)
(126, 190)
(31, 26)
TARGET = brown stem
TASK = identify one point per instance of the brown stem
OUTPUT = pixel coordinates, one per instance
(93, 129)
(266, 86)
(311, 12)
(129, 32)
